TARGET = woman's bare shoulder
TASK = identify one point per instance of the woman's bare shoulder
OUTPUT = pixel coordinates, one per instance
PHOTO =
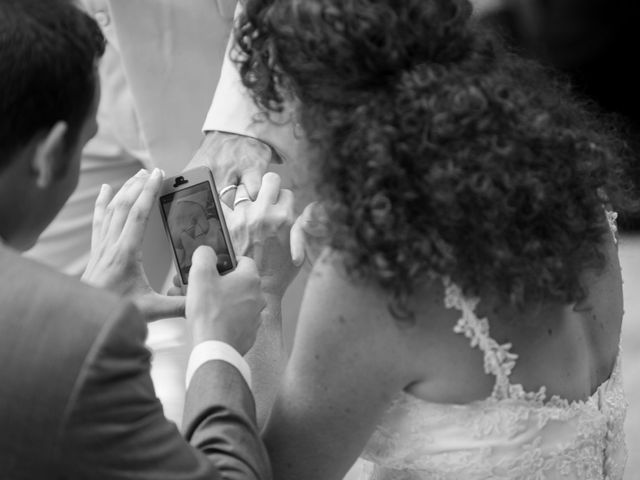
(341, 309)
(337, 298)
(342, 315)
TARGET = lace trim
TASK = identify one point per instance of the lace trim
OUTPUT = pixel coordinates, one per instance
(612, 218)
(499, 361)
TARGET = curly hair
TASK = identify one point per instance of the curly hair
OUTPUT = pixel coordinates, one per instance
(437, 152)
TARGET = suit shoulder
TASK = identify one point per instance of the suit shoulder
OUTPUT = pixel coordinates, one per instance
(38, 288)
(51, 327)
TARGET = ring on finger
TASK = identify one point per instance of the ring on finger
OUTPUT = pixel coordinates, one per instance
(226, 190)
(240, 200)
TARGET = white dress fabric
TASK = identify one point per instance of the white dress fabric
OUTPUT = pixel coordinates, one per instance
(513, 434)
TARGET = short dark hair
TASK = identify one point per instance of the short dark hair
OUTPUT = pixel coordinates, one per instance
(48, 54)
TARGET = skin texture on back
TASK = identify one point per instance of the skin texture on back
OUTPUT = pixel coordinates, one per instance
(351, 358)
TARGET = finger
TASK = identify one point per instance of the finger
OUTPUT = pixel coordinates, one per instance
(177, 281)
(246, 266)
(297, 241)
(230, 175)
(270, 189)
(138, 218)
(237, 228)
(99, 211)
(228, 194)
(175, 292)
(286, 199)
(307, 224)
(315, 221)
(227, 212)
(230, 217)
(242, 197)
(110, 208)
(156, 306)
(203, 266)
(120, 205)
(253, 157)
(252, 180)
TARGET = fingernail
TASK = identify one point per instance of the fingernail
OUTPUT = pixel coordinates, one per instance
(141, 172)
(156, 173)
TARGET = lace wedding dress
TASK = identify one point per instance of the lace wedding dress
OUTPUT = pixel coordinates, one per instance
(513, 434)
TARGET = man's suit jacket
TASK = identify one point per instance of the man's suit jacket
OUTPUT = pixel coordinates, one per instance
(77, 401)
(172, 52)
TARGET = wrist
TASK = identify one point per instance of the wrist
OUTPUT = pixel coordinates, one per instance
(229, 332)
(274, 301)
(209, 146)
(214, 350)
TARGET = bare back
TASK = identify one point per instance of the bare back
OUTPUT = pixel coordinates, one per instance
(420, 397)
(569, 349)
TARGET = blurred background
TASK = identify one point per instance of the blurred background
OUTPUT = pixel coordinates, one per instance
(593, 43)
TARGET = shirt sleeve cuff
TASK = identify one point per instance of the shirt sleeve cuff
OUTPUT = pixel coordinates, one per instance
(215, 350)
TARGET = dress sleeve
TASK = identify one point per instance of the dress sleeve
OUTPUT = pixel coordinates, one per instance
(114, 426)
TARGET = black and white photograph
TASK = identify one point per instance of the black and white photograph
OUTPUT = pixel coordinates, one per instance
(319, 240)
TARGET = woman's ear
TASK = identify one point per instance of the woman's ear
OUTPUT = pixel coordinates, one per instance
(49, 155)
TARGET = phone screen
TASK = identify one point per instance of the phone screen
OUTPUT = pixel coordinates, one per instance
(192, 220)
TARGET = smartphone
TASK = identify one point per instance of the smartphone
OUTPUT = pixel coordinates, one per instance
(192, 216)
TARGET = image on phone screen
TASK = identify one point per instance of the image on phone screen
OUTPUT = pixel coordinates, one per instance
(192, 221)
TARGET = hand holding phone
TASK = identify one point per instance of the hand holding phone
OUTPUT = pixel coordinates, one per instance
(224, 308)
(192, 217)
(119, 224)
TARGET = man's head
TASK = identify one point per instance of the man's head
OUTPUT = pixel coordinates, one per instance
(49, 92)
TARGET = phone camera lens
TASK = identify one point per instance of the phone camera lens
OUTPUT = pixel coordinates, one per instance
(180, 181)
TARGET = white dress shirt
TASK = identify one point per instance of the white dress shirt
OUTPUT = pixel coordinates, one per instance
(214, 350)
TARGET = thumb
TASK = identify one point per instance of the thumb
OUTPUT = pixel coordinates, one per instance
(157, 307)
(203, 266)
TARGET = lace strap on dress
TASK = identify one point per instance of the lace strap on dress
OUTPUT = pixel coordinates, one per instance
(613, 225)
(499, 361)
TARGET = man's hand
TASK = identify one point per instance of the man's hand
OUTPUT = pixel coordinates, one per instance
(261, 229)
(224, 308)
(234, 160)
(119, 224)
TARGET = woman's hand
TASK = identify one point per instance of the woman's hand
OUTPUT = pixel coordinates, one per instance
(261, 230)
(119, 223)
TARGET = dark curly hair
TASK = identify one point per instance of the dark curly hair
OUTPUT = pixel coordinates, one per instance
(437, 152)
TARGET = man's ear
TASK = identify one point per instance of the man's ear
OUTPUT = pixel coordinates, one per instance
(49, 154)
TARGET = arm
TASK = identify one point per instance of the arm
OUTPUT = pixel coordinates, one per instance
(261, 229)
(347, 364)
(267, 358)
(234, 111)
(115, 427)
(240, 142)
